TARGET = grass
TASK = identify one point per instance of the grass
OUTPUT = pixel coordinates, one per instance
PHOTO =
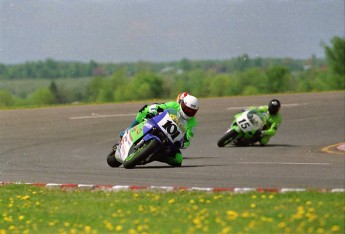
(24, 87)
(34, 209)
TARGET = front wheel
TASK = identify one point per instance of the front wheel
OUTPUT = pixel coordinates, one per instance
(141, 154)
(227, 138)
(112, 161)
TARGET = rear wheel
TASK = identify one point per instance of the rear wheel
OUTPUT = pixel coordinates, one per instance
(141, 154)
(227, 138)
(112, 161)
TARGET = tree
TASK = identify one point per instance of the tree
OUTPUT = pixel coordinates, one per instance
(147, 85)
(118, 83)
(242, 63)
(250, 90)
(197, 82)
(56, 93)
(185, 64)
(93, 88)
(278, 79)
(6, 99)
(42, 96)
(223, 85)
(3, 71)
(335, 55)
(253, 77)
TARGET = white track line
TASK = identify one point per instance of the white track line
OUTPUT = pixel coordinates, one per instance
(284, 105)
(284, 163)
(94, 116)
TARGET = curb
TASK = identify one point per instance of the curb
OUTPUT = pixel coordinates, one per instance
(341, 147)
(117, 188)
(338, 148)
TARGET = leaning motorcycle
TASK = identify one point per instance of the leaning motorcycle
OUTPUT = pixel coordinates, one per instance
(243, 128)
(151, 139)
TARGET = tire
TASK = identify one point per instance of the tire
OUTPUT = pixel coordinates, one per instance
(227, 138)
(141, 154)
(111, 160)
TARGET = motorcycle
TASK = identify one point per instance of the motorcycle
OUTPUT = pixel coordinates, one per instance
(151, 139)
(243, 128)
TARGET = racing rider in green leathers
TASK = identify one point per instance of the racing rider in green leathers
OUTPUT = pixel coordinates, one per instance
(274, 120)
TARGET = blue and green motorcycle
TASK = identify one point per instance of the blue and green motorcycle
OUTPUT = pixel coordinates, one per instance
(157, 137)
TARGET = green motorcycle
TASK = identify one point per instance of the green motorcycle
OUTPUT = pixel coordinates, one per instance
(243, 128)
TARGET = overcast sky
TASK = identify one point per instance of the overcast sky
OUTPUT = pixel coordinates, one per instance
(165, 30)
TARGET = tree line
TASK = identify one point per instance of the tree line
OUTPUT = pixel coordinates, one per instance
(144, 80)
(51, 69)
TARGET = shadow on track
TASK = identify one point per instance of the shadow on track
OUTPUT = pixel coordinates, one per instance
(188, 158)
(259, 146)
(170, 167)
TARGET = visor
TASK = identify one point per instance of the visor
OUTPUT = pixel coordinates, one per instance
(273, 109)
(187, 110)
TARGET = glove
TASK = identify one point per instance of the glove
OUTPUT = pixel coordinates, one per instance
(152, 109)
(152, 112)
(149, 116)
(186, 142)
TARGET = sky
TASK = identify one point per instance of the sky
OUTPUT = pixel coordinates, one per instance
(119, 31)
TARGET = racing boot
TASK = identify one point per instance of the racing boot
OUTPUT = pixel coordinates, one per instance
(175, 161)
(257, 137)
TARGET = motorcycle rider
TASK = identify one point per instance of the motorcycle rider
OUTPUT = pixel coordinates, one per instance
(187, 106)
(171, 104)
(274, 120)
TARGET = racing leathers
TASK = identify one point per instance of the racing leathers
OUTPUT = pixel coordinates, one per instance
(271, 126)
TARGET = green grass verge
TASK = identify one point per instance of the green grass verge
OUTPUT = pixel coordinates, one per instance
(33, 209)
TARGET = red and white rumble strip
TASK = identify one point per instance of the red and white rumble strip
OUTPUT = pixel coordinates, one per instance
(116, 188)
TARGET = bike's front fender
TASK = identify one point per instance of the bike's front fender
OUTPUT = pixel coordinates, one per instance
(241, 134)
(236, 128)
(148, 137)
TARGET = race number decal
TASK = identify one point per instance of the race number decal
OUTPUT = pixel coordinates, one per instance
(172, 129)
(244, 124)
(249, 121)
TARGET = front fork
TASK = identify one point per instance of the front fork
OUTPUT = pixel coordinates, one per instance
(237, 129)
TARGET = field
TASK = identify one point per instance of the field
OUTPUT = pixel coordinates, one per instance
(23, 88)
(34, 209)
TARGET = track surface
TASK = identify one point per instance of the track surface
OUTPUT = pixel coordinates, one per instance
(70, 144)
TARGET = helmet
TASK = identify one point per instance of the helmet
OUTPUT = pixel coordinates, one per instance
(189, 106)
(180, 96)
(273, 106)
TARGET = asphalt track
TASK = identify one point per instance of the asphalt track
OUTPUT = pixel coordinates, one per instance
(70, 144)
